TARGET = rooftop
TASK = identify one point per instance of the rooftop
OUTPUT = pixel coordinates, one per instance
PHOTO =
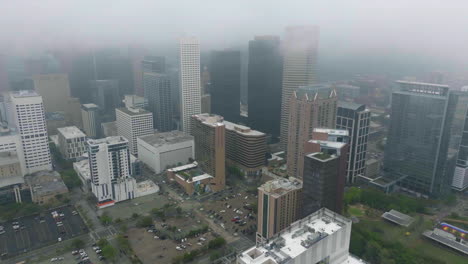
(423, 88)
(133, 111)
(108, 140)
(314, 92)
(332, 132)
(280, 187)
(70, 132)
(325, 144)
(89, 106)
(166, 138)
(299, 237)
(244, 130)
(352, 106)
(24, 93)
(45, 182)
(210, 119)
(398, 218)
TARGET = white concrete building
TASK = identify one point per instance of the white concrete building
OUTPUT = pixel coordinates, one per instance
(133, 123)
(190, 92)
(90, 115)
(109, 162)
(162, 150)
(321, 237)
(26, 114)
(71, 142)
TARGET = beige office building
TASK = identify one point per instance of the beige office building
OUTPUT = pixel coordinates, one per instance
(309, 107)
(299, 68)
(279, 205)
(245, 148)
(210, 147)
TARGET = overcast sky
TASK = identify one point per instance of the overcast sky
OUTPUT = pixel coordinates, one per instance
(436, 28)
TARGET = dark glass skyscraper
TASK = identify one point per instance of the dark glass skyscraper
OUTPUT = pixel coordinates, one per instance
(419, 136)
(157, 89)
(264, 84)
(225, 84)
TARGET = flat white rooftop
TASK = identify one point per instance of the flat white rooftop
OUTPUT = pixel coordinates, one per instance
(71, 132)
(280, 187)
(210, 119)
(332, 132)
(244, 130)
(24, 93)
(296, 239)
(107, 140)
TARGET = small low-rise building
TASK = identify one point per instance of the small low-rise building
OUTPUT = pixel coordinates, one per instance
(161, 151)
(71, 142)
(45, 186)
(191, 178)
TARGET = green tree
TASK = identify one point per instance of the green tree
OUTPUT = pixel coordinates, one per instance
(216, 243)
(77, 243)
(215, 255)
(109, 252)
(144, 221)
(105, 219)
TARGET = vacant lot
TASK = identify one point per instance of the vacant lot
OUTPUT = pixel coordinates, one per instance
(219, 211)
(151, 250)
(35, 233)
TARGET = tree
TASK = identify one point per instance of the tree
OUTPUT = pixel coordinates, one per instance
(123, 243)
(145, 221)
(216, 243)
(135, 215)
(77, 243)
(109, 252)
(105, 219)
(215, 255)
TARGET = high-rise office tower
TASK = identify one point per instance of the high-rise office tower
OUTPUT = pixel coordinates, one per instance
(109, 163)
(157, 88)
(417, 141)
(26, 111)
(324, 177)
(225, 84)
(299, 68)
(356, 119)
(205, 81)
(208, 132)
(206, 103)
(54, 89)
(135, 101)
(106, 95)
(190, 92)
(309, 107)
(55, 92)
(4, 83)
(91, 120)
(279, 205)
(133, 123)
(265, 74)
(458, 146)
(154, 64)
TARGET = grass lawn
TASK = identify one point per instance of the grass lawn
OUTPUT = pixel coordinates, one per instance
(355, 211)
(414, 240)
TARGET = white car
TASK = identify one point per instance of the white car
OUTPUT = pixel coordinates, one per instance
(53, 259)
(179, 248)
(155, 237)
(59, 239)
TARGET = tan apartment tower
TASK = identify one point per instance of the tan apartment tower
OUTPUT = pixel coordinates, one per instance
(309, 107)
(299, 68)
(210, 147)
(279, 205)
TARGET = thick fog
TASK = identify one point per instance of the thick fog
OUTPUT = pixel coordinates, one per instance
(421, 31)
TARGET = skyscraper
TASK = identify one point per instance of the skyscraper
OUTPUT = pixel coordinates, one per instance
(91, 120)
(109, 163)
(54, 89)
(132, 123)
(105, 94)
(26, 111)
(157, 88)
(208, 132)
(325, 170)
(417, 141)
(355, 118)
(189, 56)
(299, 68)
(265, 74)
(225, 84)
(309, 107)
(279, 205)
(154, 64)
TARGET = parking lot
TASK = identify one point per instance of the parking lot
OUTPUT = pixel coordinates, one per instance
(234, 213)
(33, 232)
